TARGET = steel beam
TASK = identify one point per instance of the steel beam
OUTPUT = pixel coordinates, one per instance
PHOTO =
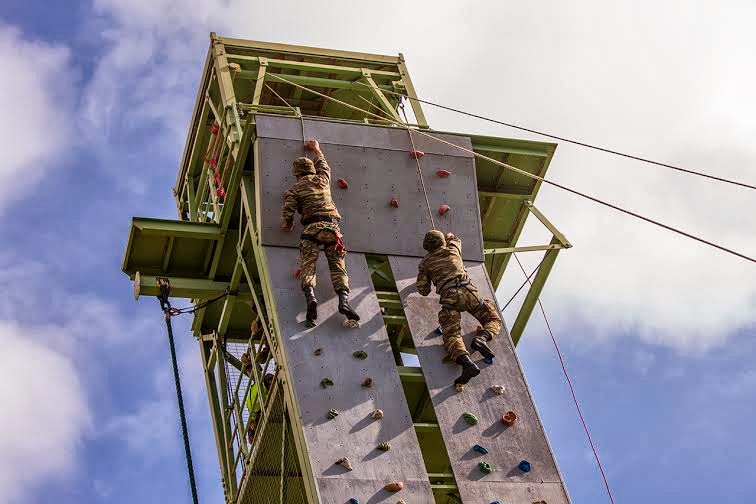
(190, 288)
(534, 292)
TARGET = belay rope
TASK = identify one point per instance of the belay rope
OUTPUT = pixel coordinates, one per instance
(165, 305)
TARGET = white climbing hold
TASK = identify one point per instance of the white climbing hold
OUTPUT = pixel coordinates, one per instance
(343, 461)
(498, 389)
(350, 324)
(459, 387)
(377, 414)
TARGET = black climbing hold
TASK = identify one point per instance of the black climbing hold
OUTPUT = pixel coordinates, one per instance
(524, 466)
(480, 449)
(353, 501)
(318, 351)
(439, 330)
(333, 413)
(488, 360)
(326, 382)
(384, 446)
(368, 382)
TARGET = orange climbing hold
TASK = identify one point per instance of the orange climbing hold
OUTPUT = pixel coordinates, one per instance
(394, 487)
(417, 154)
(443, 209)
(509, 418)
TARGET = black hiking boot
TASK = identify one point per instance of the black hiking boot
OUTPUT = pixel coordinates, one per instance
(345, 308)
(469, 370)
(479, 344)
(312, 304)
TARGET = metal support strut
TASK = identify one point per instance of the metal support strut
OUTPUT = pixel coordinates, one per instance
(165, 289)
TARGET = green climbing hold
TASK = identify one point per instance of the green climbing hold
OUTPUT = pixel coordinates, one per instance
(384, 446)
(470, 418)
(485, 468)
(359, 354)
(326, 382)
(333, 413)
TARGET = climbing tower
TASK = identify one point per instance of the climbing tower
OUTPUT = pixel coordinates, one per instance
(352, 415)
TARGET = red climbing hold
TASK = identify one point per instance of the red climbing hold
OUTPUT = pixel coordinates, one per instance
(417, 154)
(342, 183)
(509, 418)
(394, 203)
(220, 192)
(443, 209)
(297, 273)
(443, 173)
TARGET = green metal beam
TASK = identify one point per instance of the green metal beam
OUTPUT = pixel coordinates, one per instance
(176, 229)
(344, 71)
(534, 292)
(190, 288)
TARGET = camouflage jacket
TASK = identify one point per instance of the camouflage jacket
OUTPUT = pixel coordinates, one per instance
(441, 267)
(310, 195)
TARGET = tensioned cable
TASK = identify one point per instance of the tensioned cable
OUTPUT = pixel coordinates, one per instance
(572, 390)
(422, 180)
(301, 116)
(575, 142)
(526, 282)
(533, 176)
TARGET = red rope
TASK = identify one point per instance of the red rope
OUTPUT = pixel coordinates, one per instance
(572, 389)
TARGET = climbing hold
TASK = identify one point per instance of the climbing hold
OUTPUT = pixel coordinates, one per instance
(360, 354)
(480, 449)
(488, 360)
(485, 468)
(443, 173)
(318, 351)
(368, 382)
(539, 502)
(342, 184)
(343, 461)
(439, 330)
(498, 389)
(509, 418)
(394, 487)
(417, 154)
(394, 203)
(350, 324)
(470, 418)
(443, 209)
(332, 413)
(459, 387)
(401, 502)
(353, 501)
(377, 414)
(384, 446)
(326, 382)
(524, 466)
(310, 323)
(297, 273)
(496, 502)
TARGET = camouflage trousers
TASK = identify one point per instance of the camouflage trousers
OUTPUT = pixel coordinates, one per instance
(326, 234)
(455, 300)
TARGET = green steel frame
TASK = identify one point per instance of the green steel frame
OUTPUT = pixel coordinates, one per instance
(215, 246)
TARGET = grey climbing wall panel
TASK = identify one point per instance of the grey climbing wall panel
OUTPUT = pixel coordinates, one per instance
(375, 162)
(353, 433)
(525, 440)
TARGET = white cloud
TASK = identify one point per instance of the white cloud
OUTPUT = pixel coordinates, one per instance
(44, 415)
(673, 90)
(36, 100)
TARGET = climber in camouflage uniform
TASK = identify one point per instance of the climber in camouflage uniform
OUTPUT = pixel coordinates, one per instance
(311, 197)
(443, 267)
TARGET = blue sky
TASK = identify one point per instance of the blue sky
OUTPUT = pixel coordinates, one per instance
(658, 332)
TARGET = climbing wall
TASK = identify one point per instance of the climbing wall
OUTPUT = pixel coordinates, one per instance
(507, 446)
(375, 163)
(353, 433)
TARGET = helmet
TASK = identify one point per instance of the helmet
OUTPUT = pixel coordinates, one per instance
(433, 240)
(303, 166)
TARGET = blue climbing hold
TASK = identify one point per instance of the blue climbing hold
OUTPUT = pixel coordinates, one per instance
(488, 360)
(439, 330)
(480, 449)
(353, 501)
(524, 466)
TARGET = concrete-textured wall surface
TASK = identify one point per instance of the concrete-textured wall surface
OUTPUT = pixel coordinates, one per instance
(507, 446)
(353, 433)
(376, 164)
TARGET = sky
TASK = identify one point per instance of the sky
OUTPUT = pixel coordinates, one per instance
(657, 331)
